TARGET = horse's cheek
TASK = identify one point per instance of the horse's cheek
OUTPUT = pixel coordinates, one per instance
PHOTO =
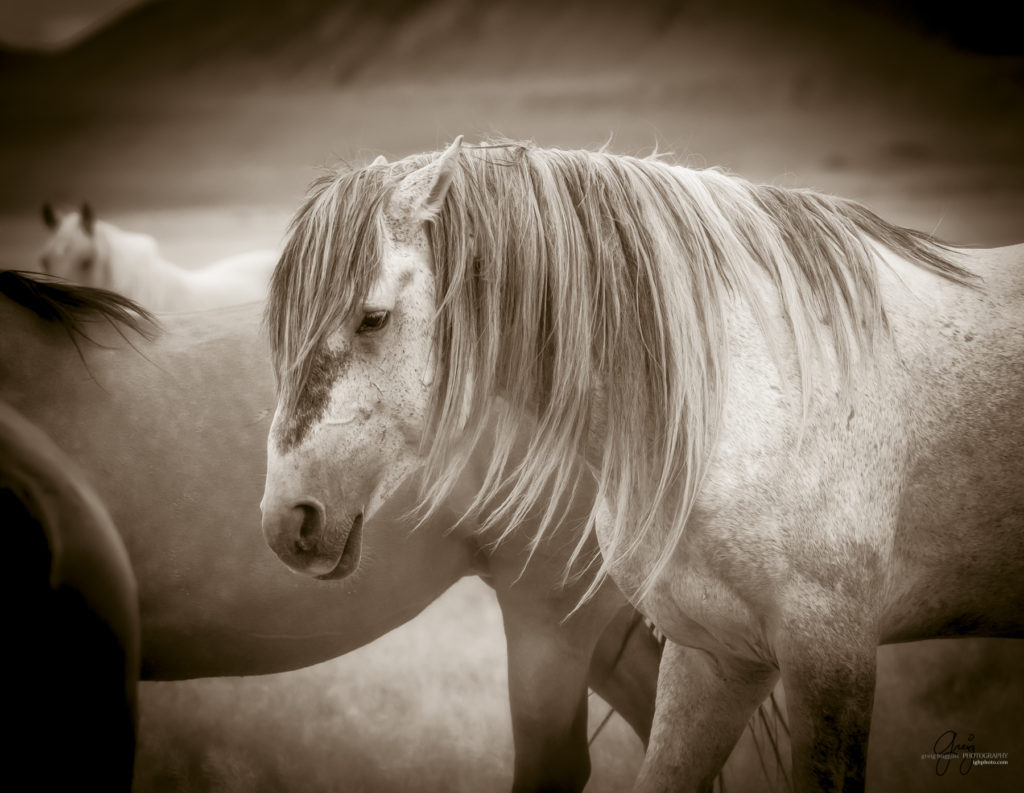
(410, 379)
(410, 412)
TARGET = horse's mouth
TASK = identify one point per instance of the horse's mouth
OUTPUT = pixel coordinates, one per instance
(350, 554)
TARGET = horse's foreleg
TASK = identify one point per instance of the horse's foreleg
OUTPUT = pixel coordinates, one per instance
(704, 703)
(624, 670)
(547, 682)
(830, 683)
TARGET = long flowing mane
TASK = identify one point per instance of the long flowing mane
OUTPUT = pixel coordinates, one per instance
(589, 291)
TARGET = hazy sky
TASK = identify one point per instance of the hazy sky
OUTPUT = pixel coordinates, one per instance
(51, 24)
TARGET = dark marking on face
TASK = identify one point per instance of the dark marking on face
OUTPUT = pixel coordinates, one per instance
(328, 365)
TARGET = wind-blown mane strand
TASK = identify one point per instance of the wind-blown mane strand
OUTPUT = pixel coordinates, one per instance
(590, 292)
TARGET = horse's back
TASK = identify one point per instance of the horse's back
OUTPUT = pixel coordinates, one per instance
(138, 269)
(73, 640)
(243, 278)
(250, 263)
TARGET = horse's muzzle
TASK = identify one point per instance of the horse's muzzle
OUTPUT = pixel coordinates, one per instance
(300, 534)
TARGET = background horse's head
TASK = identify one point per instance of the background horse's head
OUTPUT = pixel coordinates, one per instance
(72, 251)
(350, 316)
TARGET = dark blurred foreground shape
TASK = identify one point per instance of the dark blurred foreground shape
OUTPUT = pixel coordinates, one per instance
(72, 639)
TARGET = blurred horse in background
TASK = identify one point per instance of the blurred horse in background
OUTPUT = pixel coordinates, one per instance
(72, 625)
(96, 253)
(806, 423)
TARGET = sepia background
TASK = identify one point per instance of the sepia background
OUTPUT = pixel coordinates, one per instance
(201, 122)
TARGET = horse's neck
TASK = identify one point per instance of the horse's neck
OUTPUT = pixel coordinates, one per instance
(135, 267)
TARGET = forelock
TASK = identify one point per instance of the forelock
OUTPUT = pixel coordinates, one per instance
(330, 260)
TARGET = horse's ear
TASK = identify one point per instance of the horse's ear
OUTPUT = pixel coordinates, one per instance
(87, 218)
(381, 160)
(444, 172)
(49, 216)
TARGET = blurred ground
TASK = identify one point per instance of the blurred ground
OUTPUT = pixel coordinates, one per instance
(201, 123)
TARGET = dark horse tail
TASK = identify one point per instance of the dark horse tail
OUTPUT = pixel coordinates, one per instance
(72, 306)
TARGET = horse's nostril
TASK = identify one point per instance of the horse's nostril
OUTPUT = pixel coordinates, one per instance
(310, 528)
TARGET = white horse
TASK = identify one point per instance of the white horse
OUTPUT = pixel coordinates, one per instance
(96, 253)
(806, 423)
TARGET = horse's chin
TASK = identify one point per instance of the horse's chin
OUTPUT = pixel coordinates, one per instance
(352, 550)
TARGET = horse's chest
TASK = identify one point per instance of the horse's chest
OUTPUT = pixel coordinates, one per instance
(693, 605)
(694, 609)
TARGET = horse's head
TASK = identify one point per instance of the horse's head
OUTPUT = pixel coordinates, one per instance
(71, 252)
(351, 319)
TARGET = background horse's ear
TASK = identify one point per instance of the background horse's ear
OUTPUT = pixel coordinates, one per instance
(442, 180)
(87, 218)
(49, 216)
(381, 160)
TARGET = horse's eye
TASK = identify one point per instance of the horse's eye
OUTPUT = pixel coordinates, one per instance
(375, 320)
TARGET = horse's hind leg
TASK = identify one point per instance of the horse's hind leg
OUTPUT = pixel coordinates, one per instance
(624, 670)
(703, 706)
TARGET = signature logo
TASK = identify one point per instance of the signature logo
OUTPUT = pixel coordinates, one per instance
(948, 748)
